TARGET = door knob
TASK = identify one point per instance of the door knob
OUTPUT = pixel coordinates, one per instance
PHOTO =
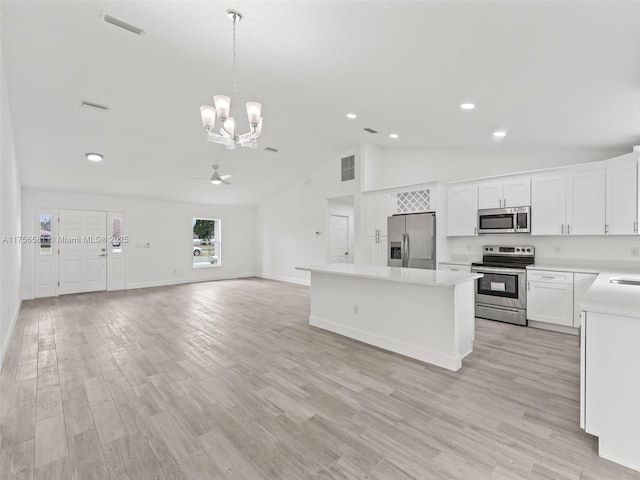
(102, 255)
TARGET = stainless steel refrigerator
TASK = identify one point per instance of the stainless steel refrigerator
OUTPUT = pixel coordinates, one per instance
(412, 240)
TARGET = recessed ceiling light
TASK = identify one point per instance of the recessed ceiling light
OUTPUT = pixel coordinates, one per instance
(352, 116)
(467, 106)
(394, 136)
(499, 133)
(94, 157)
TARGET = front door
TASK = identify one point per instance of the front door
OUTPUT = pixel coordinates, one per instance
(339, 241)
(83, 251)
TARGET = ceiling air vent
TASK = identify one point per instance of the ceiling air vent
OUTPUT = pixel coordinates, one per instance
(122, 24)
(370, 130)
(94, 106)
(271, 149)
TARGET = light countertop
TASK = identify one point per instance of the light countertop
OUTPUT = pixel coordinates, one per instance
(614, 299)
(462, 260)
(584, 266)
(437, 278)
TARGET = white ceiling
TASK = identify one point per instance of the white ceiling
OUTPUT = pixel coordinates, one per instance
(552, 74)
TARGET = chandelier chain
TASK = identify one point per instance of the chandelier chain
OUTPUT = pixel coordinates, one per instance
(234, 56)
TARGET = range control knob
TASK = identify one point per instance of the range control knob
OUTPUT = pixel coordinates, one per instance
(491, 249)
(528, 249)
(517, 249)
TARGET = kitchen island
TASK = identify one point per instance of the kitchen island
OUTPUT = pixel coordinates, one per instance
(423, 314)
(610, 366)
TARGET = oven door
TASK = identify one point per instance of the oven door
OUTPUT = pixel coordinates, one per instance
(501, 286)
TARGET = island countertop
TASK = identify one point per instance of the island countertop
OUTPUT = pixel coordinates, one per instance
(611, 298)
(437, 278)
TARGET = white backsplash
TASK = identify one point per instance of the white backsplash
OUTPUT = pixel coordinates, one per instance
(618, 248)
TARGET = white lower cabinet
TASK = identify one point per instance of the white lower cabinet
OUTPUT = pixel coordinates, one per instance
(550, 297)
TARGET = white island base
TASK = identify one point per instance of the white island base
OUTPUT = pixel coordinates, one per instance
(423, 314)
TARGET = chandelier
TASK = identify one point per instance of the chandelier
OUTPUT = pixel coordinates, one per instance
(222, 107)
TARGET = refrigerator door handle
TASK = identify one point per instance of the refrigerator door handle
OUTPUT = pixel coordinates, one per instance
(405, 260)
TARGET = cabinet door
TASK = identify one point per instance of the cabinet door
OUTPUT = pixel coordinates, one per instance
(550, 302)
(490, 195)
(622, 200)
(383, 248)
(463, 211)
(581, 283)
(373, 247)
(517, 193)
(385, 209)
(372, 215)
(586, 203)
(548, 202)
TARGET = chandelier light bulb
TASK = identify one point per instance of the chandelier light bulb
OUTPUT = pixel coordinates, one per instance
(208, 116)
(223, 106)
(253, 112)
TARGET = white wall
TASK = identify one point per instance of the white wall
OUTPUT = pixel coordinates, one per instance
(167, 226)
(287, 223)
(393, 167)
(9, 221)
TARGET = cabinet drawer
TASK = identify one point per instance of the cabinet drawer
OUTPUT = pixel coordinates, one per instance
(550, 276)
(453, 267)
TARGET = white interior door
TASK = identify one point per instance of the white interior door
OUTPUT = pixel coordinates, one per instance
(339, 239)
(82, 262)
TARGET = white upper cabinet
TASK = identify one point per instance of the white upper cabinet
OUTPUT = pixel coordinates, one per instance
(586, 203)
(379, 207)
(462, 210)
(515, 192)
(571, 204)
(548, 200)
(622, 199)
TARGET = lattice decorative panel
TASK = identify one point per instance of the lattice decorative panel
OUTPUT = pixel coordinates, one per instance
(416, 201)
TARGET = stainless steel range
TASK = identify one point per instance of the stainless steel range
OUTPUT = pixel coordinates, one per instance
(502, 293)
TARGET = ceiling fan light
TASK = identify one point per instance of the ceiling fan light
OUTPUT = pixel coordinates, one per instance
(216, 181)
(253, 112)
(230, 126)
(223, 106)
(208, 114)
(258, 128)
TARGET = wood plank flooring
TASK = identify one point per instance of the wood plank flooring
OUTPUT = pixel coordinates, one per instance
(226, 380)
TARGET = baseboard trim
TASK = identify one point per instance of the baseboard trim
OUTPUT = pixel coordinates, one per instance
(182, 281)
(4, 348)
(553, 328)
(280, 278)
(450, 362)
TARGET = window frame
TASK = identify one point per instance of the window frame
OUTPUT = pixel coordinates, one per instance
(216, 242)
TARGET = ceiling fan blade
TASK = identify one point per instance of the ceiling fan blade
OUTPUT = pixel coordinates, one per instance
(224, 177)
(196, 178)
(225, 182)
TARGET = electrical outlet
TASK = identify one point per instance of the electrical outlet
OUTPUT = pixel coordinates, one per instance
(468, 248)
(355, 309)
(635, 251)
(556, 250)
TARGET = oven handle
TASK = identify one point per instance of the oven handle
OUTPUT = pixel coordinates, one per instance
(498, 270)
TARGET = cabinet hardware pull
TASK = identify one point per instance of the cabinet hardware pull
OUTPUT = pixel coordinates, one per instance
(568, 229)
(475, 230)
(562, 229)
(528, 286)
(635, 226)
(504, 202)
(548, 276)
(606, 228)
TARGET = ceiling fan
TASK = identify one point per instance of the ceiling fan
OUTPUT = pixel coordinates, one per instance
(216, 178)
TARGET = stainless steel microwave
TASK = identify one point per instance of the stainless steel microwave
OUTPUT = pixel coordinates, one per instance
(504, 220)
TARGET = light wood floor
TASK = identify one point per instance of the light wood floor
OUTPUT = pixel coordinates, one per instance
(226, 380)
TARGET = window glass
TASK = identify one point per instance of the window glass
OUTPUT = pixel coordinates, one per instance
(116, 235)
(206, 242)
(45, 234)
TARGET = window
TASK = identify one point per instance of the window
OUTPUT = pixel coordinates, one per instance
(116, 235)
(348, 168)
(45, 234)
(206, 242)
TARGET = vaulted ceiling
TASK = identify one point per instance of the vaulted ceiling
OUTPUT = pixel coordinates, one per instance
(563, 74)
